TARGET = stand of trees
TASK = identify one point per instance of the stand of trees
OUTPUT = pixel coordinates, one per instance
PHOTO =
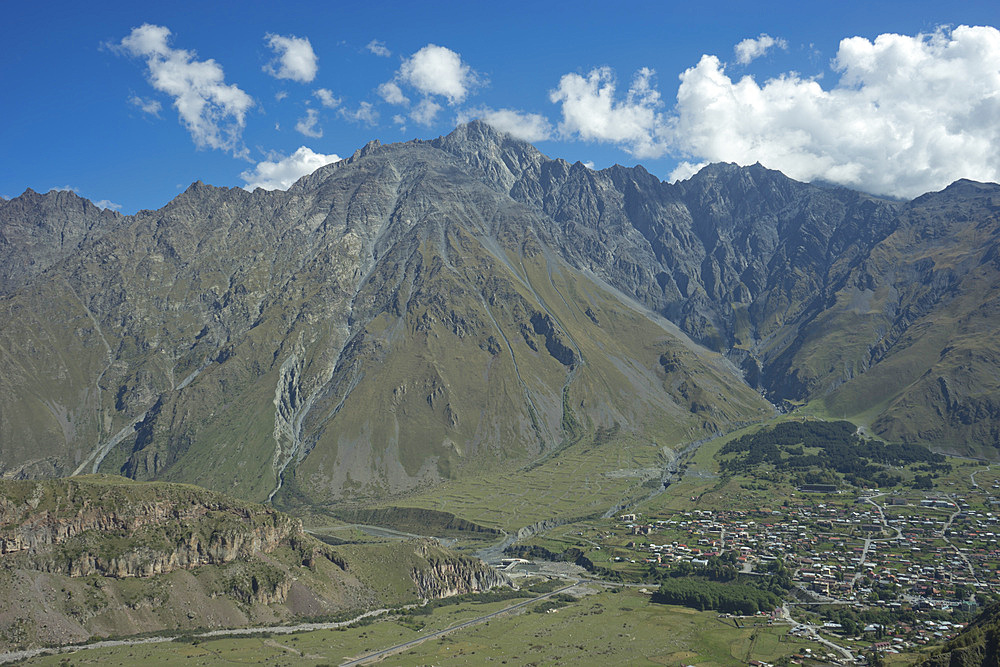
(702, 594)
(861, 461)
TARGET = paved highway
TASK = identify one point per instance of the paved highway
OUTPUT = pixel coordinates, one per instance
(399, 648)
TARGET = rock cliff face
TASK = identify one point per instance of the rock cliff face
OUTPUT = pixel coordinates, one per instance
(102, 555)
(446, 576)
(732, 255)
(64, 528)
(432, 310)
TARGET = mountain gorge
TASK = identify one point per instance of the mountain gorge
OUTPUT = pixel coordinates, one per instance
(433, 310)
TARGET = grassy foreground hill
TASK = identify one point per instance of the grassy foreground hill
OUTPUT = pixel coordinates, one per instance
(100, 555)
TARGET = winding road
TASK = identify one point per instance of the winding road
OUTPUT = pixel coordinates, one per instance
(814, 634)
(399, 648)
(943, 534)
(871, 540)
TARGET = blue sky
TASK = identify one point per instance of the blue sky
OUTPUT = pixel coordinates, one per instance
(128, 105)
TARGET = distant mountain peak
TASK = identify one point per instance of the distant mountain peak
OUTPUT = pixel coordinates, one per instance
(367, 149)
(499, 157)
(477, 135)
(478, 130)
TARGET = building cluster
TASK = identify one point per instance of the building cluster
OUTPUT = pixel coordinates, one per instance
(866, 551)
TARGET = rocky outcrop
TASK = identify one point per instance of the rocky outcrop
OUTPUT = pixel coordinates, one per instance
(79, 529)
(444, 576)
(561, 352)
(257, 583)
(539, 527)
(97, 555)
(48, 529)
(39, 230)
(143, 560)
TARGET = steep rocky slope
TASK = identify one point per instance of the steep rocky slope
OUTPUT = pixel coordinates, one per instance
(806, 288)
(387, 323)
(736, 256)
(914, 327)
(37, 231)
(432, 310)
(101, 555)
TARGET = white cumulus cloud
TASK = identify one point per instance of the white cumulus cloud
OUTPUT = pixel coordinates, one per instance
(592, 111)
(213, 112)
(365, 113)
(309, 125)
(294, 58)
(685, 170)
(437, 70)
(107, 204)
(392, 93)
(326, 98)
(281, 172)
(905, 115)
(909, 114)
(752, 48)
(378, 48)
(526, 126)
(425, 112)
(146, 105)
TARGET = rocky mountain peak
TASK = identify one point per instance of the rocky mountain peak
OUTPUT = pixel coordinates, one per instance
(497, 156)
(430, 309)
(482, 135)
(962, 188)
(367, 149)
(39, 230)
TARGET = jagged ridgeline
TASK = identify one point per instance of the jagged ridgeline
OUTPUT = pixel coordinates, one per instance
(432, 310)
(100, 555)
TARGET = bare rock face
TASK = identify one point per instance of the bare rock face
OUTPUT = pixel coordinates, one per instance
(38, 231)
(448, 575)
(64, 528)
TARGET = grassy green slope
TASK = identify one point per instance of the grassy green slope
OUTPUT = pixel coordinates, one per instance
(908, 346)
(580, 437)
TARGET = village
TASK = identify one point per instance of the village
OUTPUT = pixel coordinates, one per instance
(927, 562)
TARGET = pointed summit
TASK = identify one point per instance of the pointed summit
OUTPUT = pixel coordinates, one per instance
(477, 131)
(501, 158)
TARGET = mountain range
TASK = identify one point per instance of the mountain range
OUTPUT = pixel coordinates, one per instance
(434, 310)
